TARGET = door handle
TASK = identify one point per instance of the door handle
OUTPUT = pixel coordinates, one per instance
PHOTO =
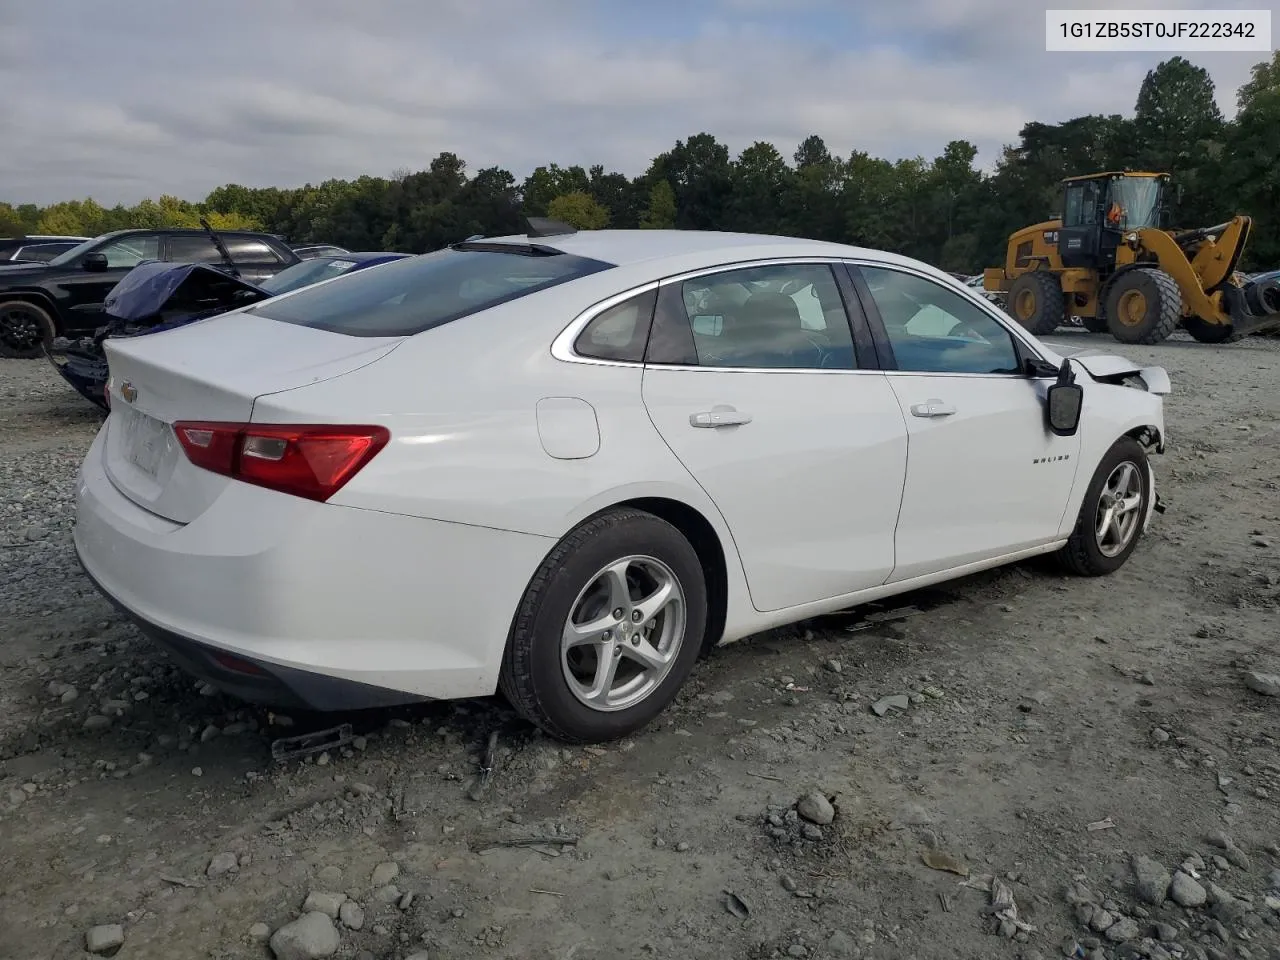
(719, 417)
(932, 408)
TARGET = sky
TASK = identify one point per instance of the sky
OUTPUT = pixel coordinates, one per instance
(144, 97)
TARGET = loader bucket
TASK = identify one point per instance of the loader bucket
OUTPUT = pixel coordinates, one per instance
(1255, 307)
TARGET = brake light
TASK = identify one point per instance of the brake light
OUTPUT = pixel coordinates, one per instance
(304, 460)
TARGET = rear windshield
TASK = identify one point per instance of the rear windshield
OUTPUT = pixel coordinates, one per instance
(408, 296)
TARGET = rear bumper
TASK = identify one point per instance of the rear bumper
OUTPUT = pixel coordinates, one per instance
(335, 606)
(258, 681)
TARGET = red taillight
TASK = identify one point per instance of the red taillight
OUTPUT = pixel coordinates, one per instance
(304, 460)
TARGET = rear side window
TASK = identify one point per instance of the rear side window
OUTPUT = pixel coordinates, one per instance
(249, 250)
(621, 332)
(192, 249)
(408, 296)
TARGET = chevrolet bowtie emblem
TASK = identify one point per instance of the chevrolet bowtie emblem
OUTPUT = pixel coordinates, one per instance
(128, 391)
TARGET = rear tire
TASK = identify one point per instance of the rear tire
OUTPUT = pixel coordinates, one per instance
(1035, 300)
(1143, 305)
(568, 690)
(25, 330)
(1206, 332)
(1122, 482)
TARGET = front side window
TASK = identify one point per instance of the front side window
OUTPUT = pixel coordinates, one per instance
(935, 330)
(1081, 204)
(128, 252)
(408, 296)
(783, 316)
(1136, 202)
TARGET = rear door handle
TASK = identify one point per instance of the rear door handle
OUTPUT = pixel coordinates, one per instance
(720, 417)
(932, 408)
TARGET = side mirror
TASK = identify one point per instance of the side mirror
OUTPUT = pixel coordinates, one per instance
(1064, 403)
(95, 263)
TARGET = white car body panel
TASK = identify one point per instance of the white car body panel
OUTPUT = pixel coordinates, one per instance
(502, 444)
(986, 479)
(810, 487)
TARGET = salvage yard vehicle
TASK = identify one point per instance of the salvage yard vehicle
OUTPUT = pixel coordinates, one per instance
(1109, 264)
(35, 248)
(564, 464)
(65, 297)
(157, 296)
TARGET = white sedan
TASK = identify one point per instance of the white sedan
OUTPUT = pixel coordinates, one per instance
(564, 464)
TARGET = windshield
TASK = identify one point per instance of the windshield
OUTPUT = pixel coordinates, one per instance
(306, 273)
(65, 258)
(1139, 201)
(407, 296)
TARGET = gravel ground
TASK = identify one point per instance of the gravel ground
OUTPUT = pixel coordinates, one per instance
(1082, 768)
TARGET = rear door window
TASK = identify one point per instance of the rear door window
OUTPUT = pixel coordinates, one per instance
(408, 296)
(194, 249)
(249, 250)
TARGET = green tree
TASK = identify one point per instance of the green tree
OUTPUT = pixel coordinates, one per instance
(578, 209)
(660, 214)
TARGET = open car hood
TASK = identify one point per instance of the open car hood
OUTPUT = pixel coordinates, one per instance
(152, 297)
(170, 291)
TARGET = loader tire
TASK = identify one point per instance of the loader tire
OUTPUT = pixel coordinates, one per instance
(1143, 305)
(1035, 300)
(1206, 332)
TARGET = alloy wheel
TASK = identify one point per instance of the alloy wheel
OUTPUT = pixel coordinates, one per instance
(623, 634)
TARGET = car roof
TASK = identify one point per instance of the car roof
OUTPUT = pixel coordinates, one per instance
(694, 249)
(183, 231)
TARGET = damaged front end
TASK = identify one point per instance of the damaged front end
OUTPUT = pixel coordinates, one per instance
(151, 298)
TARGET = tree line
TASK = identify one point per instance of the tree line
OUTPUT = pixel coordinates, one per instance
(943, 210)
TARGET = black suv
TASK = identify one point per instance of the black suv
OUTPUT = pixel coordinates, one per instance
(64, 297)
(35, 249)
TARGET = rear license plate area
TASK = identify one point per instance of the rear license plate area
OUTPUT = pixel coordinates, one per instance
(146, 441)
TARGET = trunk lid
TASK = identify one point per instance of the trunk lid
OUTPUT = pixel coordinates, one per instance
(210, 370)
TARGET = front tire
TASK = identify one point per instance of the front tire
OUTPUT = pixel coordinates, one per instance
(1111, 518)
(1036, 301)
(25, 330)
(608, 630)
(1143, 305)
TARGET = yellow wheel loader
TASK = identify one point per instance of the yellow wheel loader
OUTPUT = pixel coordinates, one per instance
(1107, 263)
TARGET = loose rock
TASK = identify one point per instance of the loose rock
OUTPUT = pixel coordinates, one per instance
(1267, 684)
(1151, 880)
(1123, 929)
(223, 863)
(816, 808)
(327, 903)
(351, 915)
(310, 937)
(1186, 892)
(885, 704)
(384, 873)
(104, 940)
(260, 933)
(840, 944)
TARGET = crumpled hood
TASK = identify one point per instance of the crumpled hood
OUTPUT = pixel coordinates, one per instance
(1108, 366)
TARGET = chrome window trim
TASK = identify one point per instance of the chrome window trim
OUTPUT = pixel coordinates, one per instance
(982, 303)
(562, 347)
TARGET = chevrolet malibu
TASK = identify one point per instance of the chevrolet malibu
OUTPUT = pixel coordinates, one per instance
(564, 464)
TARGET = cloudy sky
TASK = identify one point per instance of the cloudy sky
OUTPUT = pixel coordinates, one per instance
(141, 97)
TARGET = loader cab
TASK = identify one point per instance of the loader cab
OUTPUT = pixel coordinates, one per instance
(1099, 209)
